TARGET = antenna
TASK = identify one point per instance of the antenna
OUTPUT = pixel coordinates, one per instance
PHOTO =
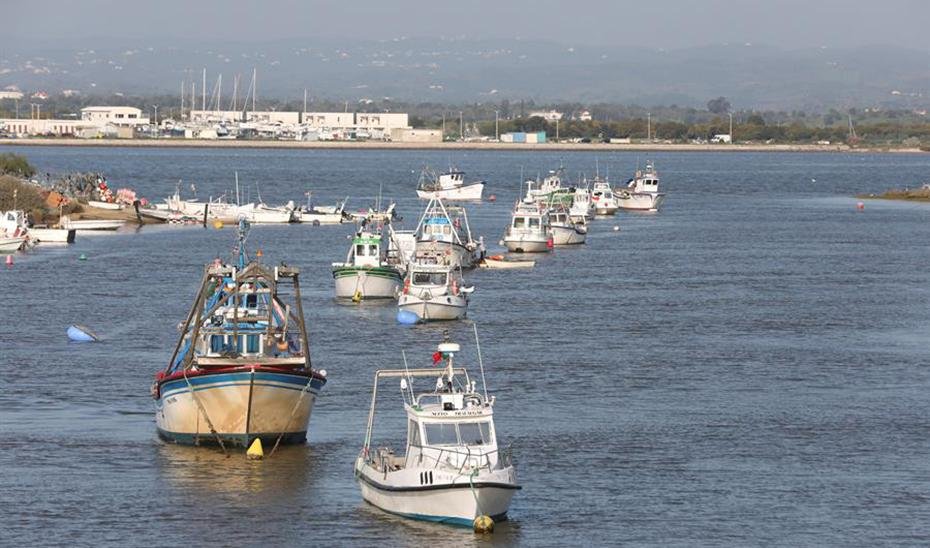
(409, 379)
(484, 383)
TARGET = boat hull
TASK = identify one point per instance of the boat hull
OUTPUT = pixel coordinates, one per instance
(85, 225)
(57, 235)
(9, 245)
(241, 404)
(567, 235)
(318, 218)
(641, 201)
(369, 283)
(470, 193)
(438, 308)
(454, 504)
(526, 244)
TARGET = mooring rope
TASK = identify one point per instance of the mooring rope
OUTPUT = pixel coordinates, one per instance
(203, 411)
(293, 413)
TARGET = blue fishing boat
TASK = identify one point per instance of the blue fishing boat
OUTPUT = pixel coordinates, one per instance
(241, 369)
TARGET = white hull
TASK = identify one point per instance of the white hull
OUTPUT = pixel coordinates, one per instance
(471, 192)
(567, 235)
(57, 235)
(522, 243)
(104, 205)
(82, 225)
(9, 245)
(318, 218)
(454, 503)
(438, 308)
(258, 214)
(641, 201)
(368, 286)
(240, 405)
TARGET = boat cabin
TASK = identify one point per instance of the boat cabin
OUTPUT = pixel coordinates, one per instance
(437, 229)
(452, 179)
(453, 428)
(529, 218)
(366, 250)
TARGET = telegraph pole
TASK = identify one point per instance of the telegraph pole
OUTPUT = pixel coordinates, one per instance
(497, 131)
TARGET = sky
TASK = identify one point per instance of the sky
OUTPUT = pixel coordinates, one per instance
(669, 24)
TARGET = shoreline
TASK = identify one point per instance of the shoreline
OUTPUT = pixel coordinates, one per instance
(389, 145)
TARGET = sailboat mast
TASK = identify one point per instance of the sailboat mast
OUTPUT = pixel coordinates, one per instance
(203, 91)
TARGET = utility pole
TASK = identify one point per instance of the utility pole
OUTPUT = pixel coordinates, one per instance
(182, 98)
(556, 130)
(497, 130)
(731, 127)
(461, 127)
(443, 125)
(203, 105)
(156, 121)
(648, 126)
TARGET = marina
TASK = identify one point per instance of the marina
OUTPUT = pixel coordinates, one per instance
(749, 399)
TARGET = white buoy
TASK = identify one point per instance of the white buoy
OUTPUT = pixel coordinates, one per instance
(616, 228)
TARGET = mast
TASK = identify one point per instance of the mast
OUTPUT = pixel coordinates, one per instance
(203, 103)
(254, 86)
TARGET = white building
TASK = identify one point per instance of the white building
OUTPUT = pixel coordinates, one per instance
(57, 128)
(547, 115)
(11, 95)
(374, 125)
(118, 116)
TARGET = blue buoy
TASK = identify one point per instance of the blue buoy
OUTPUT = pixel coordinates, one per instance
(79, 333)
(406, 317)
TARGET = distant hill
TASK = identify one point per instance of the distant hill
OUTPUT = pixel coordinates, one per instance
(440, 70)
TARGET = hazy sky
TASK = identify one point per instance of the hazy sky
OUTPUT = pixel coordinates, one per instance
(649, 23)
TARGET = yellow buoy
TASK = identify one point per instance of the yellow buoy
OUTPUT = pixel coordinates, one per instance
(357, 298)
(484, 524)
(217, 224)
(255, 451)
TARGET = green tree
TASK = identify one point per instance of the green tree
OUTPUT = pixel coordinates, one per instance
(14, 164)
(720, 105)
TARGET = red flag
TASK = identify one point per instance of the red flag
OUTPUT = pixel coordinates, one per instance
(437, 357)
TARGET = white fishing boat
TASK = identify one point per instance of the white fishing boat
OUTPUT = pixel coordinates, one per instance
(241, 369)
(373, 268)
(452, 469)
(565, 230)
(90, 224)
(449, 186)
(261, 213)
(13, 223)
(434, 292)
(642, 191)
(549, 190)
(499, 262)
(375, 214)
(605, 202)
(529, 230)
(11, 243)
(320, 215)
(444, 237)
(582, 206)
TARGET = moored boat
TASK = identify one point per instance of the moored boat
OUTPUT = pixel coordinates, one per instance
(449, 186)
(549, 190)
(90, 224)
(434, 292)
(373, 268)
(605, 202)
(642, 191)
(241, 370)
(452, 469)
(565, 230)
(11, 244)
(444, 236)
(529, 230)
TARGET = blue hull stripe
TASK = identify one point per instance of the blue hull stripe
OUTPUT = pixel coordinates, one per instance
(204, 382)
(447, 520)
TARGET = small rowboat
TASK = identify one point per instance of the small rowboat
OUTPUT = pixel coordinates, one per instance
(498, 261)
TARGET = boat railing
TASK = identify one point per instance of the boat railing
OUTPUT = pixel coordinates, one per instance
(459, 460)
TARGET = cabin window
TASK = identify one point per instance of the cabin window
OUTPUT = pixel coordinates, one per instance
(470, 434)
(519, 222)
(251, 344)
(486, 431)
(429, 278)
(441, 433)
(373, 250)
(446, 229)
(360, 250)
(413, 433)
(534, 222)
(216, 343)
(251, 301)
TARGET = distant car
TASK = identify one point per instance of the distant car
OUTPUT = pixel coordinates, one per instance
(586, 140)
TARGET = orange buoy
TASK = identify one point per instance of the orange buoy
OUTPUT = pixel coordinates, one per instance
(492, 198)
(258, 253)
(9, 260)
(860, 206)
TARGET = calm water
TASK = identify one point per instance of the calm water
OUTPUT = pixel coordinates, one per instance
(749, 366)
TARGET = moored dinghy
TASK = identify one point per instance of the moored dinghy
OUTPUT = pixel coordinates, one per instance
(452, 470)
(241, 369)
